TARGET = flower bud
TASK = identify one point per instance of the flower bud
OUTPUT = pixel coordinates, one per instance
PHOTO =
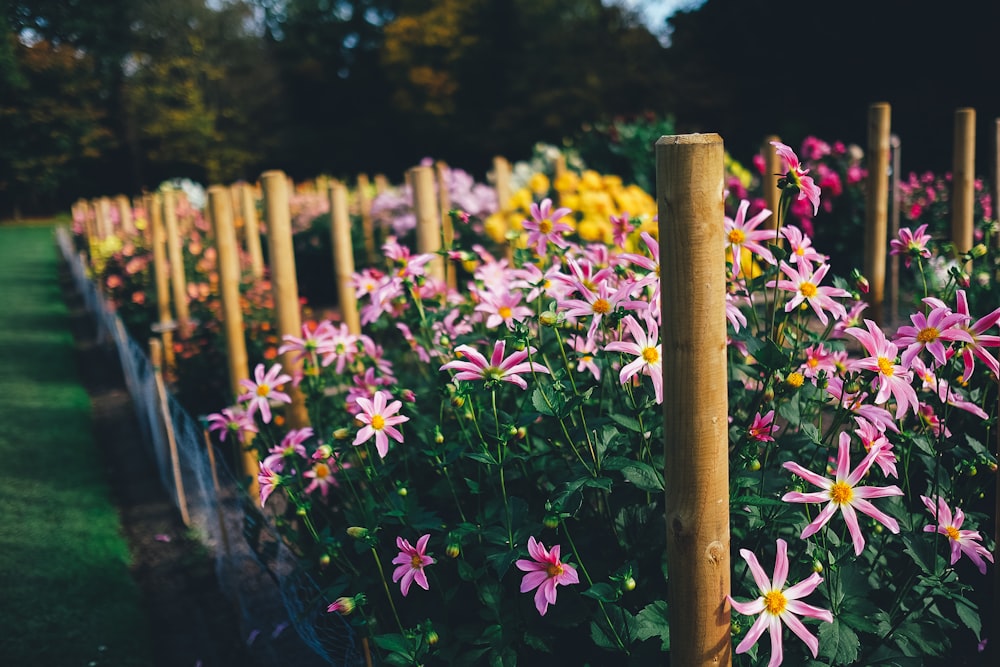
(457, 401)
(629, 584)
(548, 319)
(357, 532)
(343, 606)
(432, 638)
(978, 250)
(551, 520)
(324, 560)
(817, 566)
(401, 492)
(754, 465)
(452, 550)
(438, 436)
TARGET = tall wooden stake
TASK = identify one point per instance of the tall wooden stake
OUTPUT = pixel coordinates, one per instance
(689, 184)
(769, 180)
(251, 230)
(175, 255)
(343, 256)
(367, 223)
(284, 282)
(963, 180)
(877, 207)
(125, 215)
(232, 315)
(428, 219)
(447, 231)
(156, 357)
(161, 273)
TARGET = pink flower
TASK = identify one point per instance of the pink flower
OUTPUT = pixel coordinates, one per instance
(962, 541)
(232, 420)
(977, 348)
(262, 390)
(292, 445)
(497, 369)
(928, 331)
(598, 304)
(544, 226)
(315, 341)
(778, 604)
(742, 233)
(796, 176)
(411, 561)
(762, 429)
(268, 481)
(380, 420)
(806, 284)
(503, 308)
(545, 572)
(645, 345)
(621, 228)
(322, 477)
(801, 246)
(890, 378)
(843, 493)
(911, 244)
(873, 438)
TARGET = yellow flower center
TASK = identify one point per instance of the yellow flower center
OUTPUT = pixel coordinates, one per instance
(812, 363)
(378, 422)
(493, 373)
(841, 493)
(952, 532)
(800, 251)
(795, 379)
(504, 312)
(651, 355)
(885, 366)
(545, 226)
(415, 562)
(602, 307)
(928, 335)
(807, 289)
(554, 569)
(263, 390)
(775, 602)
(737, 236)
(322, 470)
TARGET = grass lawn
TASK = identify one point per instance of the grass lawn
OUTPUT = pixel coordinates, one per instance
(66, 595)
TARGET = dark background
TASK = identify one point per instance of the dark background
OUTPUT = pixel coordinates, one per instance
(105, 96)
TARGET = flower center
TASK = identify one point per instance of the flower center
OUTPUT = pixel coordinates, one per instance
(504, 312)
(800, 251)
(602, 307)
(795, 379)
(807, 289)
(651, 355)
(841, 493)
(545, 226)
(952, 532)
(885, 366)
(737, 236)
(322, 470)
(775, 602)
(378, 422)
(493, 373)
(554, 569)
(263, 390)
(416, 562)
(928, 335)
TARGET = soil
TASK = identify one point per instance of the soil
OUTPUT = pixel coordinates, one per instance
(191, 621)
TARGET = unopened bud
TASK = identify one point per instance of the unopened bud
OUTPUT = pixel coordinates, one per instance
(357, 532)
(343, 606)
(432, 638)
(978, 250)
(452, 550)
(457, 401)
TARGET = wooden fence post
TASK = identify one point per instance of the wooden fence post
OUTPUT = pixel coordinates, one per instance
(381, 184)
(501, 177)
(963, 180)
(367, 223)
(689, 183)
(156, 357)
(284, 282)
(125, 215)
(428, 219)
(447, 230)
(877, 207)
(251, 230)
(769, 180)
(343, 255)
(232, 316)
(175, 255)
(161, 274)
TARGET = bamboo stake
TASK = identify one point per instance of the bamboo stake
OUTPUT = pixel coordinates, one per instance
(101, 223)
(428, 218)
(447, 231)
(175, 255)
(367, 223)
(769, 181)
(125, 215)
(161, 274)
(343, 256)
(381, 183)
(963, 180)
(894, 216)
(877, 208)
(501, 176)
(232, 316)
(156, 357)
(283, 282)
(251, 231)
(690, 182)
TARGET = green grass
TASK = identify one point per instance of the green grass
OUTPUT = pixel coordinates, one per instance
(66, 596)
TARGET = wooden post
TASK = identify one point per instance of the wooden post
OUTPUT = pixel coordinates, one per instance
(894, 216)
(381, 184)
(125, 215)
(689, 184)
(769, 180)
(283, 282)
(963, 180)
(161, 273)
(343, 256)
(175, 254)
(877, 207)
(101, 223)
(251, 230)
(428, 218)
(156, 357)
(367, 223)
(501, 174)
(447, 231)
(232, 316)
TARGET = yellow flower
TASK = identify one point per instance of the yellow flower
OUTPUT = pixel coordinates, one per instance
(539, 184)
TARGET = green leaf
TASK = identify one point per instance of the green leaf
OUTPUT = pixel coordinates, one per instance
(651, 621)
(603, 592)
(757, 501)
(482, 457)
(538, 643)
(501, 561)
(644, 476)
(393, 643)
(626, 421)
(838, 643)
(922, 551)
(770, 356)
(969, 615)
(538, 402)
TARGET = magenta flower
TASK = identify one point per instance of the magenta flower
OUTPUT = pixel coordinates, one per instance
(411, 561)
(503, 308)
(873, 438)
(928, 331)
(322, 477)
(801, 246)
(545, 572)
(742, 233)
(778, 604)
(598, 304)
(891, 378)
(262, 390)
(911, 244)
(763, 429)
(497, 369)
(977, 348)
(379, 418)
(796, 176)
(806, 284)
(645, 345)
(544, 226)
(234, 421)
(313, 343)
(292, 445)
(268, 481)
(962, 541)
(843, 493)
